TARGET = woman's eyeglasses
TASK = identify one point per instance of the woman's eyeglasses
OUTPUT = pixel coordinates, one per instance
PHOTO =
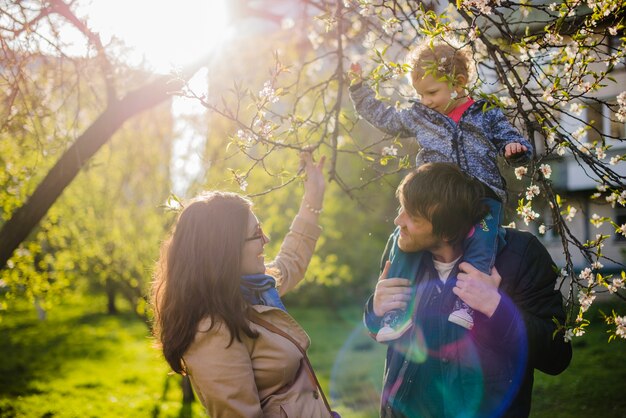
(258, 234)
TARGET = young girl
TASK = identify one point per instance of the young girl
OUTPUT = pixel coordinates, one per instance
(449, 126)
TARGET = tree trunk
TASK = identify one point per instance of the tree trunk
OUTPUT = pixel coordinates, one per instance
(110, 290)
(24, 219)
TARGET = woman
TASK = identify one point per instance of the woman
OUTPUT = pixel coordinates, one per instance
(214, 303)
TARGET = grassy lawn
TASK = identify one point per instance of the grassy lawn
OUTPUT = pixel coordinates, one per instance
(82, 363)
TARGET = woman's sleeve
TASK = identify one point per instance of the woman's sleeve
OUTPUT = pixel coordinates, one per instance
(295, 253)
(222, 375)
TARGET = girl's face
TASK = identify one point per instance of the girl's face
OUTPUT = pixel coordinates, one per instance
(252, 258)
(438, 95)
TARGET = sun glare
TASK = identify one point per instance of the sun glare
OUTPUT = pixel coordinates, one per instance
(166, 34)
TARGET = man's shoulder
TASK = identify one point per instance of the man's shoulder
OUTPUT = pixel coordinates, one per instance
(518, 242)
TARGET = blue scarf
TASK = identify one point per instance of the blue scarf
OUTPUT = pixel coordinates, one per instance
(260, 289)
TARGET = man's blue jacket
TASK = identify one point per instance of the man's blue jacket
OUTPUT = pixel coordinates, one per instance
(439, 369)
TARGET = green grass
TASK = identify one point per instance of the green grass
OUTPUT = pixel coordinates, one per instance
(83, 363)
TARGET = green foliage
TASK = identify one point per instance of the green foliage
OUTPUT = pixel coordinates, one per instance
(103, 233)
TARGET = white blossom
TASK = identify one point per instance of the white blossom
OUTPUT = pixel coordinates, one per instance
(542, 229)
(507, 101)
(612, 198)
(268, 92)
(520, 172)
(614, 160)
(547, 96)
(586, 274)
(621, 101)
(392, 26)
(571, 213)
(579, 134)
(596, 265)
(532, 191)
(553, 38)
(583, 87)
(622, 230)
(615, 285)
(390, 150)
(527, 214)
(586, 299)
(546, 170)
(560, 149)
(315, 38)
(576, 108)
(596, 220)
(483, 6)
(613, 30)
(620, 323)
(523, 54)
(370, 40)
(367, 9)
(568, 335)
(264, 127)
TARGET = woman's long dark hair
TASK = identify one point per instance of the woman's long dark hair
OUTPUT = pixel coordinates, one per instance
(198, 273)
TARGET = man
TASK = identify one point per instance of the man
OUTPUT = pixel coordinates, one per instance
(441, 369)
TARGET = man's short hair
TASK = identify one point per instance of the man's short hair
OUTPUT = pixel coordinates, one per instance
(446, 196)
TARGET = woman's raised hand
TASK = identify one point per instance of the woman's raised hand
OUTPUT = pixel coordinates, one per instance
(314, 182)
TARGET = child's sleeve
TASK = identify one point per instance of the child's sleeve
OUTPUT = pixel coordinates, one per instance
(502, 133)
(386, 118)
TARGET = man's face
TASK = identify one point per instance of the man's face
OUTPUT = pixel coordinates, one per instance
(416, 233)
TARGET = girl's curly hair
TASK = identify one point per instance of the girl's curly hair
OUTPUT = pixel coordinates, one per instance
(439, 58)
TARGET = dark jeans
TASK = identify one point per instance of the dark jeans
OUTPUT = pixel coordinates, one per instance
(482, 244)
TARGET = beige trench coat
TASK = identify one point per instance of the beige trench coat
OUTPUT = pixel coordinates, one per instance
(264, 376)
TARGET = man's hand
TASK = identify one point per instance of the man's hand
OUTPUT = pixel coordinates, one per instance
(355, 75)
(477, 289)
(392, 293)
(513, 149)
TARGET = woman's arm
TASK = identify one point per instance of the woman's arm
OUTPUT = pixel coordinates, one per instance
(298, 246)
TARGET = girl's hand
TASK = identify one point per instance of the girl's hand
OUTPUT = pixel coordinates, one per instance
(355, 74)
(513, 149)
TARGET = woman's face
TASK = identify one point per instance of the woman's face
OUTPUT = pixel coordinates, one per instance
(252, 259)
